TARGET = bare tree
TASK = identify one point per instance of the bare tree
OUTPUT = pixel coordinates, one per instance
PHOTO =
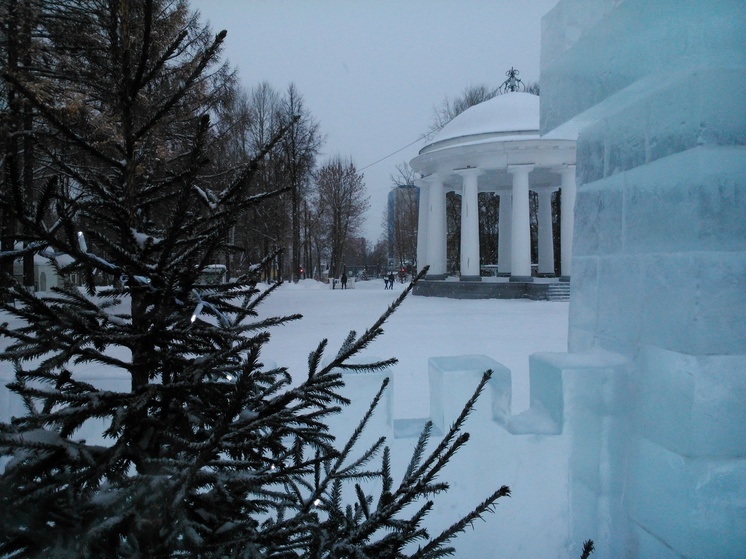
(315, 249)
(489, 205)
(378, 257)
(403, 214)
(533, 88)
(253, 118)
(246, 121)
(298, 151)
(19, 37)
(342, 202)
(451, 108)
(403, 174)
(453, 231)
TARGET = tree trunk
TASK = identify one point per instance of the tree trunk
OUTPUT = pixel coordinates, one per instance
(28, 150)
(295, 226)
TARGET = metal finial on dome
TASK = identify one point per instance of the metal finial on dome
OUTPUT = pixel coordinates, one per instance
(513, 83)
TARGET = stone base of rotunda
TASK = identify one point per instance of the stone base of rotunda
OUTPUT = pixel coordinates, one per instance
(470, 278)
(454, 289)
(521, 279)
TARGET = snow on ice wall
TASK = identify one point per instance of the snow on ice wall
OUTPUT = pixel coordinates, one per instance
(654, 91)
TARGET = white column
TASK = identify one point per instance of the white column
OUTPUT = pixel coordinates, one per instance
(546, 235)
(422, 218)
(436, 228)
(505, 225)
(567, 218)
(470, 225)
(520, 253)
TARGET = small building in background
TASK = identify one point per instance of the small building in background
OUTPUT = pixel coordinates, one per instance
(45, 273)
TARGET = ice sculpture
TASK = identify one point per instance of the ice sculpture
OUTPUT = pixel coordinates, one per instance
(654, 90)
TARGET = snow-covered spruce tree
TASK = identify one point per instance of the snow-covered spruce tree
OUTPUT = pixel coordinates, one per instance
(210, 453)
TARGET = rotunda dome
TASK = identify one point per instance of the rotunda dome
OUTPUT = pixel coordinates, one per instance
(507, 115)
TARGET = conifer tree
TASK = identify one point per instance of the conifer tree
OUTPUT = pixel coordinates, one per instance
(18, 48)
(209, 453)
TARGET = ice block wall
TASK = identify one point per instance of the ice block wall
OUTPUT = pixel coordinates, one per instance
(655, 92)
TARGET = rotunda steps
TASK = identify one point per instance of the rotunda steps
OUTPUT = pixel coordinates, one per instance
(558, 291)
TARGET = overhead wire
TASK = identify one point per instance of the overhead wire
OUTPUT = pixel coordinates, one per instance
(395, 152)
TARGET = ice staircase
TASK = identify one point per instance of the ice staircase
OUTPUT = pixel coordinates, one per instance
(558, 291)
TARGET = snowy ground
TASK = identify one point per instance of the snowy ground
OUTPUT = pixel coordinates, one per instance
(506, 330)
(534, 521)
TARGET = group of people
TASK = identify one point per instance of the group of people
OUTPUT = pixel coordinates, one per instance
(388, 281)
(342, 280)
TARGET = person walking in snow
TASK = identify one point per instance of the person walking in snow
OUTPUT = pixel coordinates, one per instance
(343, 279)
(392, 279)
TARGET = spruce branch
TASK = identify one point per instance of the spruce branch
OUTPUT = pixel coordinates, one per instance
(588, 548)
(433, 547)
(447, 442)
(56, 120)
(335, 468)
(200, 63)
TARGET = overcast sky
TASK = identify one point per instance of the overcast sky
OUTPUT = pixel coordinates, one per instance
(372, 72)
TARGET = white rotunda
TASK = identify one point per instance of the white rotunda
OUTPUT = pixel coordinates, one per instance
(495, 147)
